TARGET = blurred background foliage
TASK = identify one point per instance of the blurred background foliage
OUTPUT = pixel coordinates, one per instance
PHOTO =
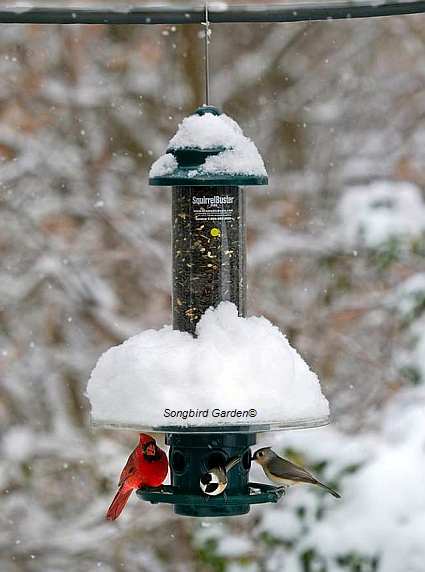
(336, 259)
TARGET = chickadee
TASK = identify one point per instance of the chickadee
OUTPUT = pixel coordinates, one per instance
(214, 482)
(283, 472)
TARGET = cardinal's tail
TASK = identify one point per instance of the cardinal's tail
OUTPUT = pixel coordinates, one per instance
(117, 505)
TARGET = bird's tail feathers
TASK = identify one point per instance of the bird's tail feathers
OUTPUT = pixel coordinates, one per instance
(333, 492)
(117, 505)
(233, 462)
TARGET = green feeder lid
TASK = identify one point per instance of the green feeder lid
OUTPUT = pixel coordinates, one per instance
(186, 165)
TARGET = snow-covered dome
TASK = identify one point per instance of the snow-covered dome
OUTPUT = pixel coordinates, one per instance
(237, 371)
(209, 145)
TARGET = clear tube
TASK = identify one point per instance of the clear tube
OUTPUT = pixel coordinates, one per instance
(209, 258)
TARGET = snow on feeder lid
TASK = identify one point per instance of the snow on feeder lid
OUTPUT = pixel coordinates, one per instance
(237, 374)
(209, 149)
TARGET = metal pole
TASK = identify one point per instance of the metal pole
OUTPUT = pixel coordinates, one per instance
(232, 14)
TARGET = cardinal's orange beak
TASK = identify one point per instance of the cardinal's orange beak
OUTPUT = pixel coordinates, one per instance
(150, 449)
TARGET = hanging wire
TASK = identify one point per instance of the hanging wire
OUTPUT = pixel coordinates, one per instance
(206, 54)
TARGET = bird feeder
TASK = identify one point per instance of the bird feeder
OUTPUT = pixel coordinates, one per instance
(209, 266)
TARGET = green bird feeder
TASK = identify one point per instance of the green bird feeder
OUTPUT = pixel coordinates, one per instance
(209, 266)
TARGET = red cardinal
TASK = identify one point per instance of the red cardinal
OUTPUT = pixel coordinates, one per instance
(147, 466)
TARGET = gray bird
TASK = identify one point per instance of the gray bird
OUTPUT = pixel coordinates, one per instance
(214, 482)
(283, 472)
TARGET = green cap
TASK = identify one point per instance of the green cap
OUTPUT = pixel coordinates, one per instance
(189, 166)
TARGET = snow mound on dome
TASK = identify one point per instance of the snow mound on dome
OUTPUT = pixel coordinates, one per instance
(208, 131)
(234, 363)
(164, 166)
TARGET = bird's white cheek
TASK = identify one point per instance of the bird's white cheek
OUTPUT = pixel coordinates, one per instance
(217, 492)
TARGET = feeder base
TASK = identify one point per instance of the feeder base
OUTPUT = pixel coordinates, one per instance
(191, 456)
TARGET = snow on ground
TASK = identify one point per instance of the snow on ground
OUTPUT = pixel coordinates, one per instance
(381, 211)
(408, 300)
(235, 546)
(234, 362)
(239, 157)
(382, 511)
(409, 297)
(418, 353)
